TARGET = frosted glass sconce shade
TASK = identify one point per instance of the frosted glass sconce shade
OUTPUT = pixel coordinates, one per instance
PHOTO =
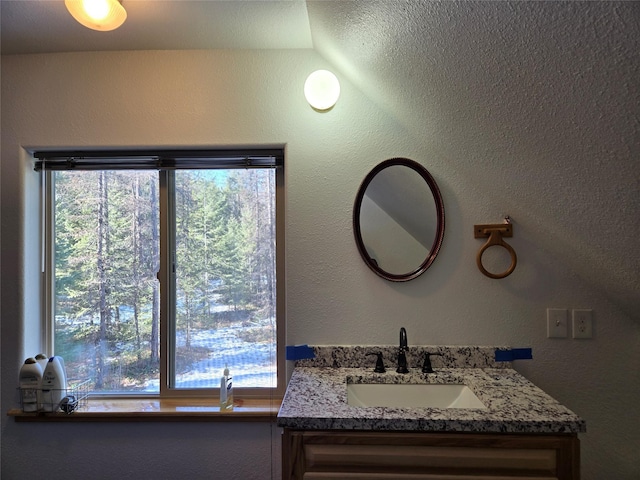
(103, 15)
(322, 89)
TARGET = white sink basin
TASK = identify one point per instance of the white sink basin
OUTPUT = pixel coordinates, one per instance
(411, 395)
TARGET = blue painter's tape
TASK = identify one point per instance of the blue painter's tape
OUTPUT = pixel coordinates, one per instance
(522, 354)
(503, 356)
(299, 352)
(513, 354)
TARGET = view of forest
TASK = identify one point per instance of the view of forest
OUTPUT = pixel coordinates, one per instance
(107, 293)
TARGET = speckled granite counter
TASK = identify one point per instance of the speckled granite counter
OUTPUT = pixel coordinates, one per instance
(316, 397)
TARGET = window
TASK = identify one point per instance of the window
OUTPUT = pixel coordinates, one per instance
(162, 268)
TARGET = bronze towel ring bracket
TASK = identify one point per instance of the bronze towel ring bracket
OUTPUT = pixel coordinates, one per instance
(495, 232)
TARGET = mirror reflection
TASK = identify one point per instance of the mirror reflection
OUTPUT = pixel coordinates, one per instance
(398, 219)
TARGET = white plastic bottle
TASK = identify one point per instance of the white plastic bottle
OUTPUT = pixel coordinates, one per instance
(42, 359)
(54, 384)
(226, 391)
(30, 379)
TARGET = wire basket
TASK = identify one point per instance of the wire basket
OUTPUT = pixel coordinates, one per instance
(52, 400)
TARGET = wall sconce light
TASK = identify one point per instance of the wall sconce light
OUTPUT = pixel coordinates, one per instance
(102, 15)
(322, 90)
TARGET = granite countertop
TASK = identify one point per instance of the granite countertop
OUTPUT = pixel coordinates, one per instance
(316, 397)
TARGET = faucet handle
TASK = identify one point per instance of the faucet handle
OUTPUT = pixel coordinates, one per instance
(379, 363)
(426, 366)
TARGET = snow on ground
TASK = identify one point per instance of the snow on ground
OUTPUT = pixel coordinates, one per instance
(250, 364)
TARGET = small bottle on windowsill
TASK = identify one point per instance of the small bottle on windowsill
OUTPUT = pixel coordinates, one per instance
(226, 391)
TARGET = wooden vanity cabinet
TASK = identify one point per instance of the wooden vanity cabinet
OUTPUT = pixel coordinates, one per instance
(346, 455)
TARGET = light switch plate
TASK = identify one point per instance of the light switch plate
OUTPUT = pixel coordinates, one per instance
(557, 323)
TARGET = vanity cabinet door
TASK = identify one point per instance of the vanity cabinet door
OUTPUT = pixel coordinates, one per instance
(324, 455)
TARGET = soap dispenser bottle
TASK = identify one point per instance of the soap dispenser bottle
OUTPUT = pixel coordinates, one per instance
(226, 391)
(30, 379)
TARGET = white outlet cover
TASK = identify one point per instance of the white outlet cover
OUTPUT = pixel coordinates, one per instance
(582, 323)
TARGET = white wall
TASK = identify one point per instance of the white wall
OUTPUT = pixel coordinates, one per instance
(201, 98)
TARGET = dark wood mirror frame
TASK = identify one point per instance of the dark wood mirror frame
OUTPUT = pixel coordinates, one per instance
(439, 207)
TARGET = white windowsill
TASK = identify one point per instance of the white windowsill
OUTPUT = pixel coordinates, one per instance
(160, 410)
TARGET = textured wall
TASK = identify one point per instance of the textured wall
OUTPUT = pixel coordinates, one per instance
(527, 103)
(496, 145)
(141, 451)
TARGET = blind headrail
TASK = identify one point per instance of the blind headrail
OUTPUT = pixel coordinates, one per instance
(157, 159)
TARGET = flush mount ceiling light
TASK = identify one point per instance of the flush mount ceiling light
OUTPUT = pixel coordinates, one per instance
(103, 15)
(322, 89)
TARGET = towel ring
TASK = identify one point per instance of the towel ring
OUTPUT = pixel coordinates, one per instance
(495, 232)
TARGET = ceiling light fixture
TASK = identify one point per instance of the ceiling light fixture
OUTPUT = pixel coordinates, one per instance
(102, 15)
(322, 90)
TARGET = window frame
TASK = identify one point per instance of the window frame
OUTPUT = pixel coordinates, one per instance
(166, 276)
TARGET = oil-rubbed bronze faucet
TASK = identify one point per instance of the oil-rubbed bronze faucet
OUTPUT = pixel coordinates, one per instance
(426, 366)
(379, 363)
(402, 358)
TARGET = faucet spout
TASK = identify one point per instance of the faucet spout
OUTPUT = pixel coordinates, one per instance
(402, 357)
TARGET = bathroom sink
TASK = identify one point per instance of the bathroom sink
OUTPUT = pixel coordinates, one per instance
(411, 395)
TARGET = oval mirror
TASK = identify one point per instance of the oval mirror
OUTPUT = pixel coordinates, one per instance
(398, 219)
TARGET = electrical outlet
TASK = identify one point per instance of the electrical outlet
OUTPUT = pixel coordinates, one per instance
(557, 323)
(582, 323)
